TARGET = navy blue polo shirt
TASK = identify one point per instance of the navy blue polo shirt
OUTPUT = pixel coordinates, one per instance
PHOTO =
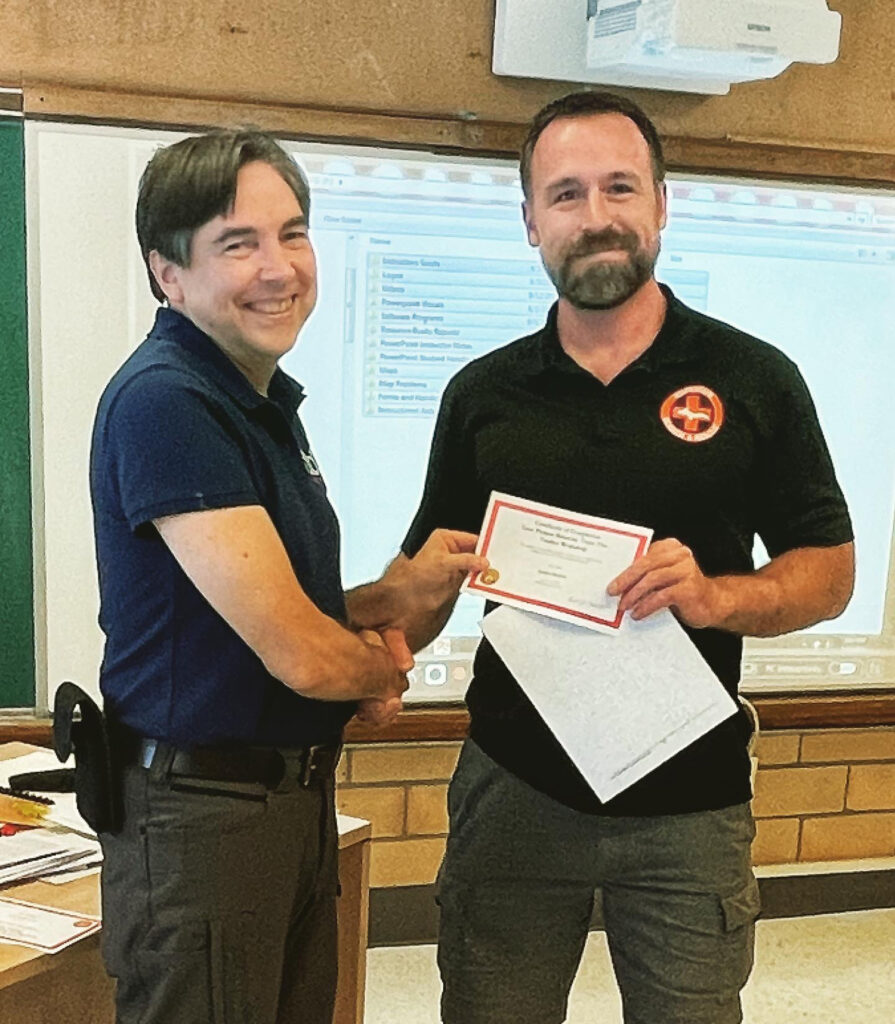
(179, 429)
(710, 436)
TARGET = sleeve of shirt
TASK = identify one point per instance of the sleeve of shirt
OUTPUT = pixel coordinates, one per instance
(172, 448)
(799, 501)
(451, 497)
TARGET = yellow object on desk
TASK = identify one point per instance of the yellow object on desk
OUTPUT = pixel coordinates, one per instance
(22, 808)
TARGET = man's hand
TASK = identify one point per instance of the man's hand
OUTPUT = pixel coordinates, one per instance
(396, 643)
(375, 711)
(434, 575)
(381, 711)
(417, 594)
(796, 589)
(667, 576)
(391, 640)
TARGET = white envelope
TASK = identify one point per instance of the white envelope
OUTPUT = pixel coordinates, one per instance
(620, 705)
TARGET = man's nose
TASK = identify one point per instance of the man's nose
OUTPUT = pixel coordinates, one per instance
(276, 262)
(597, 214)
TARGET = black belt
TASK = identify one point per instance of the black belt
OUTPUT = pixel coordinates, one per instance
(267, 766)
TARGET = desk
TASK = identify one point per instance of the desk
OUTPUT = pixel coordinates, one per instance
(71, 987)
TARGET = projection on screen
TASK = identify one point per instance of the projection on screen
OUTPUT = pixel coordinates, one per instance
(424, 265)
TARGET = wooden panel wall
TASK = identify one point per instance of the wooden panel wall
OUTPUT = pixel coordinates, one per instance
(422, 59)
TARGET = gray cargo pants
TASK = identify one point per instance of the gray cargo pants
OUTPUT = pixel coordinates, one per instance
(219, 903)
(516, 891)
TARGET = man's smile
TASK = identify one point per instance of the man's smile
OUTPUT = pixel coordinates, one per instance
(271, 307)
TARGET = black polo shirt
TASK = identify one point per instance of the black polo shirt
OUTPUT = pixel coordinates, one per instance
(710, 437)
(180, 429)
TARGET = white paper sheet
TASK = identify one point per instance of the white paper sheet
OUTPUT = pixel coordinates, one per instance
(620, 705)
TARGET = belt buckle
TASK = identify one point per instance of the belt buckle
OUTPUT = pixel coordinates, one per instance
(146, 753)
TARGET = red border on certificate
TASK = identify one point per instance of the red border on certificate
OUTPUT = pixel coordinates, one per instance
(485, 591)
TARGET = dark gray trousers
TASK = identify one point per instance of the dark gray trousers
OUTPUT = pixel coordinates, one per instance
(219, 903)
(517, 889)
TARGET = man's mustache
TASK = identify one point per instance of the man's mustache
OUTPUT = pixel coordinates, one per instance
(591, 242)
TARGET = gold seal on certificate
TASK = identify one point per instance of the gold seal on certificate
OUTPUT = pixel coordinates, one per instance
(554, 561)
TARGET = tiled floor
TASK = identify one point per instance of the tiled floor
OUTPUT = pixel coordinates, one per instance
(832, 969)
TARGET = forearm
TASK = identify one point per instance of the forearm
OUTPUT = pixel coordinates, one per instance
(236, 560)
(373, 605)
(794, 591)
(422, 629)
(320, 658)
(393, 601)
(416, 595)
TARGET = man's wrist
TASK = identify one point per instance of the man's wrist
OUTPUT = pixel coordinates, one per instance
(373, 605)
(721, 603)
(403, 591)
(742, 603)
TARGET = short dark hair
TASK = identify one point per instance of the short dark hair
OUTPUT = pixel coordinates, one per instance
(191, 182)
(585, 104)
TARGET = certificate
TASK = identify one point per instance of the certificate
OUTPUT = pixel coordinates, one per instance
(554, 562)
(44, 928)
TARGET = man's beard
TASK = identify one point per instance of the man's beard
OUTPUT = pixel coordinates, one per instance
(601, 284)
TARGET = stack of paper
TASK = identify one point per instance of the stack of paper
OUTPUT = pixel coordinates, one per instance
(61, 851)
(33, 853)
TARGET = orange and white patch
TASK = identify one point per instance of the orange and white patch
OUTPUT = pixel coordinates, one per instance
(694, 413)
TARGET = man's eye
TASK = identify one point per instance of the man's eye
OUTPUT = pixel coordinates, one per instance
(620, 188)
(296, 236)
(565, 196)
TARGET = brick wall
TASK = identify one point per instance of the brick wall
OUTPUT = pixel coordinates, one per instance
(820, 795)
(402, 789)
(825, 795)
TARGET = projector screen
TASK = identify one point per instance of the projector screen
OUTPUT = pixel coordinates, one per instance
(424, 265)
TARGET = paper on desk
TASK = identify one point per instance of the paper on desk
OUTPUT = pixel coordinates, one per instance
(31, 853)
(43, 928)
(620, 705)
(69, 874)
(64, 811)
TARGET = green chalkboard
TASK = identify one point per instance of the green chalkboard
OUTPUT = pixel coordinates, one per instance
(16, 590)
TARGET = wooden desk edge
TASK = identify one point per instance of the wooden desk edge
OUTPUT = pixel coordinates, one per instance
(352, 830)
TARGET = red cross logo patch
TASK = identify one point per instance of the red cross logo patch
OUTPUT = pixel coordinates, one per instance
(693, 414)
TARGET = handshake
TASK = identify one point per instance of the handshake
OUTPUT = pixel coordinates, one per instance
(407, 608)
(383, 710)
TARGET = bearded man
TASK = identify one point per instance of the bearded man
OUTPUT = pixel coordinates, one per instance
(630, 406)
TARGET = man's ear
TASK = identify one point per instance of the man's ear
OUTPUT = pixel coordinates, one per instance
(534, 239)
(167, 277)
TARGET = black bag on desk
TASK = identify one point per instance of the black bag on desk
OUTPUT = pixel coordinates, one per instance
(80, 726)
